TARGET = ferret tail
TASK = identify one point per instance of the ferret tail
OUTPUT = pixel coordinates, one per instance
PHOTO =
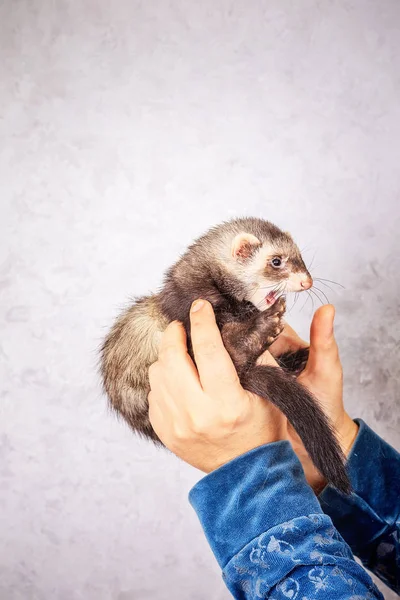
(306, 416)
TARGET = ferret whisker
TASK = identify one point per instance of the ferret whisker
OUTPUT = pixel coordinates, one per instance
(316, 295)
(281, 290)
(261, 287)
(330, 281)
(308, 296)
(308, 248)
(278, 289)
(312, 261)
(255, 290)
(312, 302)
(296, 297)
(294, 302)
(268, 287)
(322, 292)
(328, 286)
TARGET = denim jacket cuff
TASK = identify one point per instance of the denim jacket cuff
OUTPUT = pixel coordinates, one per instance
(249, 495)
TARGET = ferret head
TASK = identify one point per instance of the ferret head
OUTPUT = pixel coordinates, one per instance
(268, 262)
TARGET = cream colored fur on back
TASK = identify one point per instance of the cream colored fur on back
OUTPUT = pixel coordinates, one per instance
(132, 347)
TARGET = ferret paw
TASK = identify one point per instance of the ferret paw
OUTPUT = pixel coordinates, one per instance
(275, 328)
(271, 322)
(279, 307)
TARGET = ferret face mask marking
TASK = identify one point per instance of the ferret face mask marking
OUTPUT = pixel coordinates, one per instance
(269, 268)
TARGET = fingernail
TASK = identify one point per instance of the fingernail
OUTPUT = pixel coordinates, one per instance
(197, 305)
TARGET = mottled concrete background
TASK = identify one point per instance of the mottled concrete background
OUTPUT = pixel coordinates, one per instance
(127, 128)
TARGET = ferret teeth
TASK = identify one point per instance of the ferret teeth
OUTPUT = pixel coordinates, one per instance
(270, 298)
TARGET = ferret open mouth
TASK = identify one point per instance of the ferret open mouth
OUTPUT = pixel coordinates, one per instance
(271, 298)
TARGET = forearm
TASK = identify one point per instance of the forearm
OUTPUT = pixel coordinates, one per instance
(269, 534)
(369, 519)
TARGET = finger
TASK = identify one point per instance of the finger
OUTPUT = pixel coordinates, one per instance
(287, 341)
(156, 414)
(178, 369)
(159, 396)
(173, 340)
(323, 346)
(215, 366)
(154, 373)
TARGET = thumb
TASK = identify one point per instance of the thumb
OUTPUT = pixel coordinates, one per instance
(323, 346)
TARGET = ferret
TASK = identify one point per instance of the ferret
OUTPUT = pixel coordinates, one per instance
(244, 268)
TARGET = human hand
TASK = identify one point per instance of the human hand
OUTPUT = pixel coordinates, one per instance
(323, 377)
(204, 415)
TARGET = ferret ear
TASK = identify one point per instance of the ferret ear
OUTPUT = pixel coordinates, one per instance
(244, 245)
(289, 234)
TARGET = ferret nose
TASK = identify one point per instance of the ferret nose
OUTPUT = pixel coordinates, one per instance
(306, 283)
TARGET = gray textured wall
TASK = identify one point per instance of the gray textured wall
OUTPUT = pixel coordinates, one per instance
(127, 128)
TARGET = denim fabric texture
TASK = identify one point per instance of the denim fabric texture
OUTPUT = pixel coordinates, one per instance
(269, 533)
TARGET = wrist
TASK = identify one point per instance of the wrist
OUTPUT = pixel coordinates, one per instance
(264, 425)
(347, 434)
(243, 445)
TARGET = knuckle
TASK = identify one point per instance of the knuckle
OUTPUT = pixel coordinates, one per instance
(199, 424)
(229, 378)
(200, 428)
(206, 347)
(181, 432)
(168, 353)
(231, 419)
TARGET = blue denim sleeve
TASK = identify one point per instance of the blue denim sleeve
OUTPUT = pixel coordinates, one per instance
(369, 519)
(269, 534)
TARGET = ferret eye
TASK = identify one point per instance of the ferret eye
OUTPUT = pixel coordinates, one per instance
(276, 262)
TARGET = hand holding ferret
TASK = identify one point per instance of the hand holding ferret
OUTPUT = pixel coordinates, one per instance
(206, 417)
(244, 268)
(323, 377)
